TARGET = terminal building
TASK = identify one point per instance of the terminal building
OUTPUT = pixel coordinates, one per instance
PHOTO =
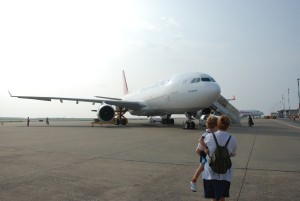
(286, 113)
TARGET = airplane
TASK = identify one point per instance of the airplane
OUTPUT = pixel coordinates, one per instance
(253, 113)
(185, 93)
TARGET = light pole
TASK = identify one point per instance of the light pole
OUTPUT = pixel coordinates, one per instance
(298, 97)
(289, 102)
(283, 107)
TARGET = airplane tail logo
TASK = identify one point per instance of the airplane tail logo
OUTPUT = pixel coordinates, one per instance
(125, 87)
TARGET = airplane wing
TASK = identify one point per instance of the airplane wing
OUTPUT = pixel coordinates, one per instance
(132, 105)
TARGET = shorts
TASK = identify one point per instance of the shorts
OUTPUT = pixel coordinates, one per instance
(203, 157)
(216, 189)
(203, 160)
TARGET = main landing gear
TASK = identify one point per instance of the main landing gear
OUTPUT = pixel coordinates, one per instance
(119, 116)
(167, 120)
(189, 123)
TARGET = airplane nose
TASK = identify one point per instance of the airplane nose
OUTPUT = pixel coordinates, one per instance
(216, 90)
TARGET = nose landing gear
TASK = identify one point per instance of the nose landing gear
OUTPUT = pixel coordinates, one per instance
(189, 123)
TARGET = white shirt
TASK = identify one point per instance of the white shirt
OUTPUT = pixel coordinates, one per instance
(208, 131)
(222, 137)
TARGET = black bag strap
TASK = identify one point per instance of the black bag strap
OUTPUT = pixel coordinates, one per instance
(217, 140)
(228, 141)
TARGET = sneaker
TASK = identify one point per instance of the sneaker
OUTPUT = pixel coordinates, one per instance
(193, 186)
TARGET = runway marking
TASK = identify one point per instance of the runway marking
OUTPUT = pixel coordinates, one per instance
(247, 165)
(288, 124)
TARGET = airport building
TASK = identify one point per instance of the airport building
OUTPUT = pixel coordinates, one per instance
(287, 113)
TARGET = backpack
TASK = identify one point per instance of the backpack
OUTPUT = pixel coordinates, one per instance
(220, 160)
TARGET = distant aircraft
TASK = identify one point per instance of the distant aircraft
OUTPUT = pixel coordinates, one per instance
(179, 94)
(253, 113)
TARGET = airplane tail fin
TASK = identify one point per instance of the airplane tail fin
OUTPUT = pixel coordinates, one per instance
(125, 87)
(231, 99)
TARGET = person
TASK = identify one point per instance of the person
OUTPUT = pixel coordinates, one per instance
(217, 186)
(202, 150)
(28, 120)
(250, 121)
(47, 121)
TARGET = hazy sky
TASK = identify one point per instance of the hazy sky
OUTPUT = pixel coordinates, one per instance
(79, 49)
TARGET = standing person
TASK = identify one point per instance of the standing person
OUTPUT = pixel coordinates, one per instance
(217, 186)
(47, 121)
(28, 120)
(202, 150)
(250, 121)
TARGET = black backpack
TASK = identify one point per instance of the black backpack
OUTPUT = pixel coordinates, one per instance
(220, 161)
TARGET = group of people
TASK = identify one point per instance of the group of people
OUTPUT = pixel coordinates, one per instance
(216, 185)
(47, 121)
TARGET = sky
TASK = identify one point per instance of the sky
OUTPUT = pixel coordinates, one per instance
(74, 48)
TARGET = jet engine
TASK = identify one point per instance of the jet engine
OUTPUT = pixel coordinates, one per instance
(106, 113)
(198, 114)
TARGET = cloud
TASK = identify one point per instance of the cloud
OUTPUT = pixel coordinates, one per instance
(170, 22)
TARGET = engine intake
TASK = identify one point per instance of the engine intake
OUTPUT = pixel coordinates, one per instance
(106, 113)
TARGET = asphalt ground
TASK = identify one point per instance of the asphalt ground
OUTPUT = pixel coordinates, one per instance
(74, 161)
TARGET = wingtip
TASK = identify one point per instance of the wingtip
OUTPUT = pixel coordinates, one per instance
(9, 93)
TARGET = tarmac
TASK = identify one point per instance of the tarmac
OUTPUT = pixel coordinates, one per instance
(71, 160)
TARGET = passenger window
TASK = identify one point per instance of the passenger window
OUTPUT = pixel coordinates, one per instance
(198, 80)
(194, 80)
(205, 79)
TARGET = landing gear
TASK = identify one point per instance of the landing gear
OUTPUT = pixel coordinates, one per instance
(189, 123)
(167, 120)
(119, 116)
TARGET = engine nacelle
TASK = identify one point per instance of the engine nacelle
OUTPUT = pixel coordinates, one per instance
(106, 113)
(198, 114)
(206, 111)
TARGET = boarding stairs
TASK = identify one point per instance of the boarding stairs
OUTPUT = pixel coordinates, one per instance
(223, 106)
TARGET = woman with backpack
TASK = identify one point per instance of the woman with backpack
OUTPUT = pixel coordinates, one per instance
(217, 173)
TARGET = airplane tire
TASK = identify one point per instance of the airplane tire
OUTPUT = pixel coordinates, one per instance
(172, 121)
(123, 121)
(187, 125)
(193, 125)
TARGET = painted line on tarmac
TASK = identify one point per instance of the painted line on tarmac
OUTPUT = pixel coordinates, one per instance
(288, 124)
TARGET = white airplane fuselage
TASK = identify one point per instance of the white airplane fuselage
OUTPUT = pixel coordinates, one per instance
(176, 95)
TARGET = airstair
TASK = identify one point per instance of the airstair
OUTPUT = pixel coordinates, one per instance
(223, 106)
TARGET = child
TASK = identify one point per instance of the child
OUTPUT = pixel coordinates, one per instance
(202, 150)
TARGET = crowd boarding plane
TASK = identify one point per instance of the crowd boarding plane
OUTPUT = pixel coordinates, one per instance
(253, 113)
(187, 93)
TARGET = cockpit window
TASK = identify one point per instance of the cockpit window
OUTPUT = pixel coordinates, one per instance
(205, 79)
(194, 80)
(212, 79)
